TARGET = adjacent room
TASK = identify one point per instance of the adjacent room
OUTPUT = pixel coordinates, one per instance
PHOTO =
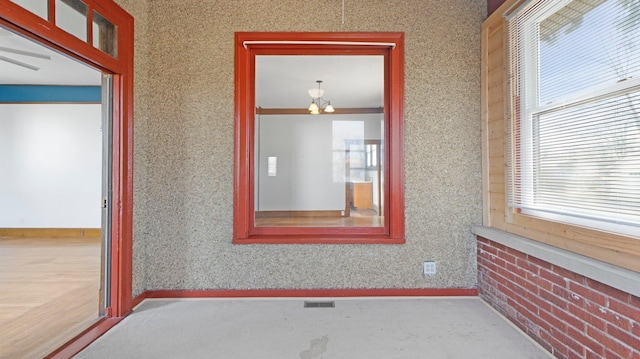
(51, 155)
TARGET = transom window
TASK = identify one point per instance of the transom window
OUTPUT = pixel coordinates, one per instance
(575, 147)
(79, 19)
(319, 138)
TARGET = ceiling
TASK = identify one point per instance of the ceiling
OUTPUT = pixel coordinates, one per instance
(348, 81)
(58, 70)
(281, 81)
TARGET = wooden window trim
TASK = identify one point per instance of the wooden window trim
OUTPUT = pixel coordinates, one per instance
(244, 231)
(619, 250)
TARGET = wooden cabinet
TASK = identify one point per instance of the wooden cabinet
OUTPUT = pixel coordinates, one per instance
(363, 195)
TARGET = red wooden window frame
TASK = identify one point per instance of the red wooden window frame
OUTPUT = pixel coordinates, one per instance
(250, 44)
(45, 32)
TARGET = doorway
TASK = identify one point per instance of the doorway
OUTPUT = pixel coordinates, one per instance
(364, 180)
(55, 227)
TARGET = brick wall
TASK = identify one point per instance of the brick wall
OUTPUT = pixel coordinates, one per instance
(568, 314)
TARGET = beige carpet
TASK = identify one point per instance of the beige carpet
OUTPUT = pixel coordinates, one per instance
(283, 328)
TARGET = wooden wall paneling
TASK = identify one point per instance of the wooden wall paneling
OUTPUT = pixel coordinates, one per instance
(611, 248)
(486, 198)
(619, 250)
(493, 121)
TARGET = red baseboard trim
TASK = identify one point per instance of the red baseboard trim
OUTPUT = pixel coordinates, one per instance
(256, 293)
(81, 341)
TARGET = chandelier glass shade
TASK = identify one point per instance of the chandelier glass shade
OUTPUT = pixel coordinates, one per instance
(318, 103)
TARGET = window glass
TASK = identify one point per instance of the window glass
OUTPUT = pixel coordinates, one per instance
(38, 7)
(575, 154)
(104, 35)
(322, 179)
(585, 47)
(71, 16)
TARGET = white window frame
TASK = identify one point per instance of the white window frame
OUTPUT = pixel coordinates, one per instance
(530, 107)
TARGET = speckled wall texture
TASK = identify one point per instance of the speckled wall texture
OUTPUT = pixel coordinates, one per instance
(184, 122)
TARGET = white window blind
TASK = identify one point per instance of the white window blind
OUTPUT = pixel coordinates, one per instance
(574, 153)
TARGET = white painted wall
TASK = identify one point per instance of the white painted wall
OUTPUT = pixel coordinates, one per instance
(306, 173)
(50, 165)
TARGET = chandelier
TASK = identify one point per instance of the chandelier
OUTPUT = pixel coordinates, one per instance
(319, 104)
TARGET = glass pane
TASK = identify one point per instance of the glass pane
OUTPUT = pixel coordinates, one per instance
(38, 7)
(105, 35)
(585, 37)
(71, 16)
(588, 159)
(325, 175)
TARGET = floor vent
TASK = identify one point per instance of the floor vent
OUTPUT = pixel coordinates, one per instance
(319, 304)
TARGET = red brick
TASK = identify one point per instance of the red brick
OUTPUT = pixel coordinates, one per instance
(498, 246)
(489, 249)
(634, 301)
(623, 336)
(508, 276)
(561, 292)
(540, 263)
(520, 323)
(485, 278)
(516, 253)
(588, 343)
(610, 344)
(544, 344)
(611, 355)
(628, 311)
(527, 285)
(506, 291)
(518, 286)
(554, 299)
(588, 316)
(489, 265)
(482, 242)
(507, 257)
(538, 301)
(588, 294)
(574, 355)
(516, 270)
(553, 278)
(555, 323)
(571, 320)
(614, 317)
(528, 266)
(577, 299)
(529, 309)
(558, 347)
(565, 273)
(544, 284)
(571, 343)
(635, 328)
(607, 290)
(591, 355)
(499, 262)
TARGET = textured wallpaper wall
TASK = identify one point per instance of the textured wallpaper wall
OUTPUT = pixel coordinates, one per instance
(184, 122)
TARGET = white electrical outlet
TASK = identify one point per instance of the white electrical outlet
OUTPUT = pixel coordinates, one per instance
(429, 268)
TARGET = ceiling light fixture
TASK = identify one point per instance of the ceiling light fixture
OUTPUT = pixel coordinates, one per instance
(319, 104)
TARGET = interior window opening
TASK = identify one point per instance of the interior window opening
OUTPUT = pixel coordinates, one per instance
(322, 122)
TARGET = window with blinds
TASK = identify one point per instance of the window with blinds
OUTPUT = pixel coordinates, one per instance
(574, 151)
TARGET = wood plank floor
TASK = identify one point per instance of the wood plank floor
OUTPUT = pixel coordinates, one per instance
(49, 292)
(358, 218)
